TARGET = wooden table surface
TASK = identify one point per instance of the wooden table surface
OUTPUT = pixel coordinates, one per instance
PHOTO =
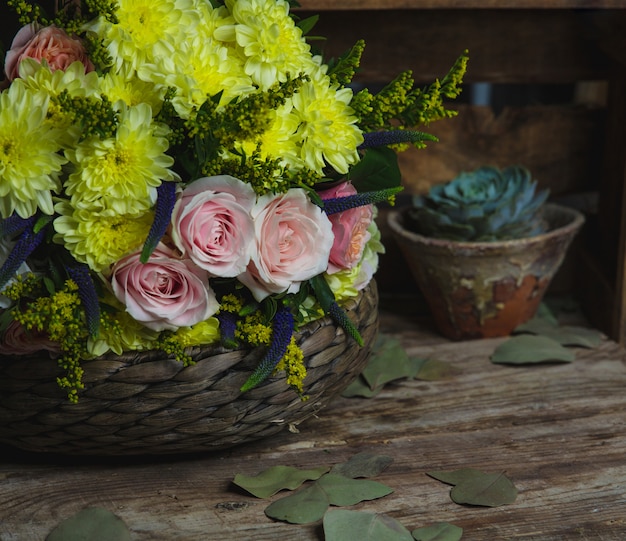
(557, 431)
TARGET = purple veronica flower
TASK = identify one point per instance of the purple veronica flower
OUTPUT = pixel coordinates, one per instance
(282, 331)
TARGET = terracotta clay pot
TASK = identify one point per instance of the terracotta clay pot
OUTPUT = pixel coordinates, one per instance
(486, 289)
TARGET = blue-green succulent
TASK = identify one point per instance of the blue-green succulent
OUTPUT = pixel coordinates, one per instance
(487, 204)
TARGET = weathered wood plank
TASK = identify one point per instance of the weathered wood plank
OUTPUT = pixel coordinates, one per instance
(506, 46)
(459, 4)
(560, 144)
(557, 431)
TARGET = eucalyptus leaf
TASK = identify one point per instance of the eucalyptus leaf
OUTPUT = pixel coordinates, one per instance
(442, 531)
(344, 524)
(378, 169)
(302, 507)
(389, 362)
(363, 465)
(474, 487)
(91, 524)
(566, 335)
(531, 349)
(310, 503)
(344, 491)
(434, 369)
(490, 490)
(360, 387)
(277, 478)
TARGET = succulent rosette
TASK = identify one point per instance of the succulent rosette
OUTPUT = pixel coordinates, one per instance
(486, 204)
(168, 167)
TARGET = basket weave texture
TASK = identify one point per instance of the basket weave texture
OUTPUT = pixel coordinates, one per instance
(146, 403)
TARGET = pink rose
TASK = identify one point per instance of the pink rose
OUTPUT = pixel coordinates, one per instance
(293, 238)
(212, 225)
(19, 341)
(166, 292)
(349, 228)
(48, 43)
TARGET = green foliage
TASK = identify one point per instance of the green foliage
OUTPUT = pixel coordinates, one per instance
(342, 71)
(273, 480)
(309, 504)
(531, 349)
(400, 103)
(441, 531)
(487, 204)
(94, 523)
(475, 487)
(389, 362)
(342, 524)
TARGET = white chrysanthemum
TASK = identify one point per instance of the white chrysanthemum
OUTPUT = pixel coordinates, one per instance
(200, 68)
(30, 162)
(121, 173)
(74, 81)
(270, 40)
(278, 141)
(146, 29)
(327, 126)
(99, 239)
(131, 90)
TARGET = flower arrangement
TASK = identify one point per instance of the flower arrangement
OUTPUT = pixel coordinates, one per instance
(178, 173)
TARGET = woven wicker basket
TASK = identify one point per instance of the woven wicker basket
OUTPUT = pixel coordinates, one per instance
(145, 403)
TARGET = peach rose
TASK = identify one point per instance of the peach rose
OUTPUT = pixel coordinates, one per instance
(293, 238)
(19, 341)
(212, 225)
(350, 228)
(48, 43)
(166, 292)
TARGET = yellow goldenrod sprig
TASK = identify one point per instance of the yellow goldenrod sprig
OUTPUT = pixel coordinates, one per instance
(61, 317)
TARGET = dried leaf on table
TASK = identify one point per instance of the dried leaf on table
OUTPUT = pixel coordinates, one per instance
(342, 524)
(309, 504)
(363, 465)
(531, 349)
(474, 487)
(94, 523)
(442, 531)
(277, 478)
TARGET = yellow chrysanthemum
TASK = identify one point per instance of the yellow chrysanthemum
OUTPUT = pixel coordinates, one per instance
(73, 80)
(131, 90)
(121, 173)
(145, 30)
(278, 141)
(30, 162)
(198, 69)
(327, 125)
(201, 334)
(122, 334)
(270, 40)
(99, 239)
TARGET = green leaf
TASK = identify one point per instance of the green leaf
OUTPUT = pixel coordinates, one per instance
(360, 387)
(531, 349)
(363, 465)
(378, 169)
(306, 25)
(93, 524)
(343, 524)
(310, 503)
(474, 487)
(388, 362)
(277, 478)
(433, 369)
(442, 531)
(566, 335)
(302, 507)
(344, 491)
